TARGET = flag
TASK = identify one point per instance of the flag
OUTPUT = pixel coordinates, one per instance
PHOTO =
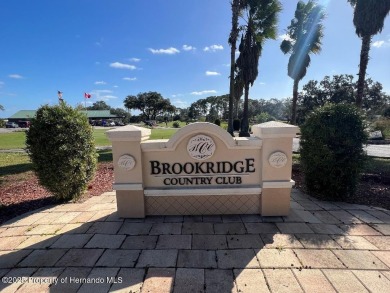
(59, 93)
(87, 96)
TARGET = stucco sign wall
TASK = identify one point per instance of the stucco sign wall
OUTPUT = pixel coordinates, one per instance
(202, 170)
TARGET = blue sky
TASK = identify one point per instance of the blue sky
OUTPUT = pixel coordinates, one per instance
(179, 48)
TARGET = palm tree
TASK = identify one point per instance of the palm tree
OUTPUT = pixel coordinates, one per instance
(262, 20)
(368, 18)
(237, 6)
(303, 37)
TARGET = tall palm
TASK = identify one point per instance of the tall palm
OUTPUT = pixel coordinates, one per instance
(237, 6)
(262, 21)
(304, 36)
(369, 17)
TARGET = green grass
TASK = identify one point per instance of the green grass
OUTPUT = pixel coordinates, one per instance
(158, 133)
(12, 140)
(16, 163)
(170, 124)
(17, 140)
(101, 138)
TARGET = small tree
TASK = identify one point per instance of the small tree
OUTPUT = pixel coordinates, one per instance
(61, 147)
(332, 152)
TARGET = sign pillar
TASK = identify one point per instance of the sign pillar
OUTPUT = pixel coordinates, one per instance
(276, 157)
(127, 159)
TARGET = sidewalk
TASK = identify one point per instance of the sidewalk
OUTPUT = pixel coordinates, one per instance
(85, 247)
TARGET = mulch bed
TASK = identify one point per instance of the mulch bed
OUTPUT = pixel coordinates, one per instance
(372, 190)
(19, 194)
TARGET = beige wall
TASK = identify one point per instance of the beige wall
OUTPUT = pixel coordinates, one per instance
(180, 155)
(265, 191)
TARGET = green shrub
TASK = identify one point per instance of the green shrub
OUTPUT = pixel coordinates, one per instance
(384, 126)
(264, 117)
(236, 124)
(176, 124)
(332, 152)
(61, 147)
(217, 122)
(386, 112)
(2, 123)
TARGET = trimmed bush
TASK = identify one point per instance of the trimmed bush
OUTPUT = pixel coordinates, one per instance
(386, 112)
(61, 147)
(264, 117)
(176, 124)
(217, 122)
(236, 124)
(332, 154)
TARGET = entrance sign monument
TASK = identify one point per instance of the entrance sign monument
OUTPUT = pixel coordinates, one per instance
(202, 170)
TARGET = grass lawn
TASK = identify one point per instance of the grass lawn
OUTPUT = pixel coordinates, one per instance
(16, 163)
(12, 140)
(159, 133)
(17, 140)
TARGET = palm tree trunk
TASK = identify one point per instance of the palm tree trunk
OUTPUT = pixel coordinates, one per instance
(245, 123)
(294, 103)
(366, 41)
(233, 41)
(236, 103)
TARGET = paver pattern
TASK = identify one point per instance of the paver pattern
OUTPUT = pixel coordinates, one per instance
(86, 247)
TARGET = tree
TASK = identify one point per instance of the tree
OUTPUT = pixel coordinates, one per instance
(237, 6)
(102, 105)
(151, 104)
(368, 19)
(99, 105)
(304, 36)
(340, 89)
(119, 112)
(1, 108)
(261, 25)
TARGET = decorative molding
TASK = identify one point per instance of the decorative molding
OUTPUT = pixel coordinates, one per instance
(278, 159)
(126, 162)
(203, 191)
(278, 184)
(127, 186)
(201, 147)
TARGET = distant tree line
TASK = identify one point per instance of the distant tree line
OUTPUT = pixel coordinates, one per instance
(336, 89)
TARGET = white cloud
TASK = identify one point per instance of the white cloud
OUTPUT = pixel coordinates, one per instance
(100, 82)
(213, 48)
(381, 44)
(122, 66)
(180, 103)
(212, 73)
(262, 83)
(169, 51)
(108, 97)
(115, 86)
(97, 63)
(284, 37)
(204, 92)
(99, 94)
(134, 59)
(378, 44)
(129, 78)
(15, 76)
(188, 48)
(2, 83)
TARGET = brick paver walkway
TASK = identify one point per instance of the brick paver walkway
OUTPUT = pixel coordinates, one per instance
(85, 247)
